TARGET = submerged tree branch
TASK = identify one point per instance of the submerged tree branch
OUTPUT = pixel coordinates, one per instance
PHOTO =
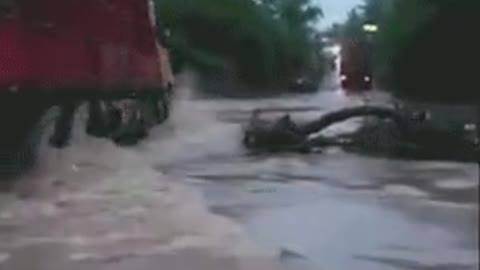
(408, 134)
(344, 114)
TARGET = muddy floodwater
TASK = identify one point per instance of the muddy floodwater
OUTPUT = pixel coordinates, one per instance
(330, 210)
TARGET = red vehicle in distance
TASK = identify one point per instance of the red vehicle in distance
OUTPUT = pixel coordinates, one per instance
(355, 66)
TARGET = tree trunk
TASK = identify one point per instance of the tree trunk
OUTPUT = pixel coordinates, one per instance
(341, 115)
(284, 134)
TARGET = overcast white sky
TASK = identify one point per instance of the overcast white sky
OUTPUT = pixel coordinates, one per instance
(336, 10)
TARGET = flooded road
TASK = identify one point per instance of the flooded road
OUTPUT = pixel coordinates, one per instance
(96, 202)
(336, 210)
(342, 223)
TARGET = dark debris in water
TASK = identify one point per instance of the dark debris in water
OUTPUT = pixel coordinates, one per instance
(287, 254)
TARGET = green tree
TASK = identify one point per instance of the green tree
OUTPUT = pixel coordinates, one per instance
(424, 46)
(432, 61)
(262, 41)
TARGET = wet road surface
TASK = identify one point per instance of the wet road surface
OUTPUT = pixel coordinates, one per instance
(323, 211)
(337, 210)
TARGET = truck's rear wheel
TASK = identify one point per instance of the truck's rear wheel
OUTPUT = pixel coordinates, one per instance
(20, 134)
(132, 127)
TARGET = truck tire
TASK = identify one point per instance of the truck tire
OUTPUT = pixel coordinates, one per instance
(161, 107)
(100, 119)
(133, 126)
(20, 134)
(63, 125)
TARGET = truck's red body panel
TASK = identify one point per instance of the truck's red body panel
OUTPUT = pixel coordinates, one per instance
(70, 44)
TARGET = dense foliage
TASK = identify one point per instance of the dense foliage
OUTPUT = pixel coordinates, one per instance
(264, 41)
(425, 47)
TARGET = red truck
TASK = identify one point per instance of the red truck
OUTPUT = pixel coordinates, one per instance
(57, 52)
(355, 66)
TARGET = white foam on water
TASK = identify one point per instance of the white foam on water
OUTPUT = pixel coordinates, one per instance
(403, 190)
(6, 215)
(456, 184)
(4, 257)
(111, 196)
